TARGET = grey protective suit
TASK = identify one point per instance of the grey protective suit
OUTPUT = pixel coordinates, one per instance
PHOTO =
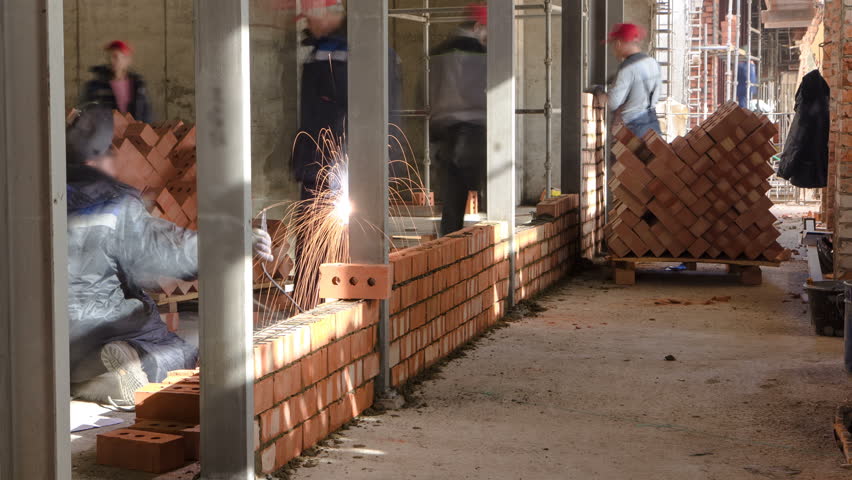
(115, 249)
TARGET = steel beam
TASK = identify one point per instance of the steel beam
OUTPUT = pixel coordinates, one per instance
(502, 125)
(224, 218)
(34, 375)
(368, 148)
(572, 101)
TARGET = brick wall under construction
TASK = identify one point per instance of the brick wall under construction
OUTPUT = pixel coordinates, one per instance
(315, 371)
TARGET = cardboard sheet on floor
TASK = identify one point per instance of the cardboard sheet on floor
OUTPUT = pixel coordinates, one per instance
(86, 416)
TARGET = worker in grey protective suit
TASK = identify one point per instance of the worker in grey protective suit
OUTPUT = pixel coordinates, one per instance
(115, 249)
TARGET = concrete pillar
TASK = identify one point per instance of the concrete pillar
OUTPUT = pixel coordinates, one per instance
(367, 137)
(501, 183)
(224, 217)
(34, 376)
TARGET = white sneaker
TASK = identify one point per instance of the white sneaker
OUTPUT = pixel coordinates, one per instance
(122, 359)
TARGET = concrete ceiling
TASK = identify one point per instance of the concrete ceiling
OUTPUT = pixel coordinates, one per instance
(788, 13)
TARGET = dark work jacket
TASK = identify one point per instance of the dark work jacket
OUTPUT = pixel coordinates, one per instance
(324, 104)
(115, 249)
(804, 161)
(457, 83)
(99, 90)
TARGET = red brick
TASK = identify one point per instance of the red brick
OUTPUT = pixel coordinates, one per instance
(191, 434)
(288, 447)
(342, 411)
(364, 397)
(356, 281)
(305, 404)
(288, 381)
(140, 450)
(270, 424)
(314, 367)
(371, 366)
(364, 342)
(323, 332)
(264, 395)
(178, 402)
(315, 429)
(339, 354)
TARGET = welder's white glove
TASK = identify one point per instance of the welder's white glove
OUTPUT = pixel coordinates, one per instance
(262, 244)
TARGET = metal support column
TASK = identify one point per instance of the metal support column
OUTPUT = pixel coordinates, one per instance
(427, 100)
(548, 95)
(224, 217)
(502, 124)
(572, 101)
(34, 376)
(368, 149)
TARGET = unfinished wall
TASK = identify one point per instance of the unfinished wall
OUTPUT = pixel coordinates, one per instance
(163, 37)
(837, 70)
(314, 372)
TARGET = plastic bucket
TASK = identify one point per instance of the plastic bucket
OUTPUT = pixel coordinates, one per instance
(826, 306)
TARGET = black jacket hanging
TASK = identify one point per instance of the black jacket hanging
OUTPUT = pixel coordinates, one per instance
(804, 161)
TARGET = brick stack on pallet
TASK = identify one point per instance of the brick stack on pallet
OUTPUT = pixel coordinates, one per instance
(166, 435)
(594, 169)
(702, 197)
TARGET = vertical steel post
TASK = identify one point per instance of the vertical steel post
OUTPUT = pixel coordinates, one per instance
(427, 100)
(34, 375)
(502, 124)
(548, 95)
(368, 149)
(572, 101)
(224, 216)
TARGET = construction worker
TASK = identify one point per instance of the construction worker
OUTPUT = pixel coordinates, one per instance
(633, 94)
(325, 93)
(115, 249)
(746, 74)
(115, 86)
(458, 79)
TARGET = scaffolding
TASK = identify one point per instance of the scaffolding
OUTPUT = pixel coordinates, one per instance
(427, 16)
(712, 44)
(662, 47)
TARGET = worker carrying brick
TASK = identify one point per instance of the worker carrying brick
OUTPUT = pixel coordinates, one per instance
(457, 82)
(117, 87)
(115, 250)
(635, 90)
(324, 100)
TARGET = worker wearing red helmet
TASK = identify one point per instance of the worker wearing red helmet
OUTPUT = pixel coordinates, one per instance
(117, 87)
(458, 78)
(633, 94)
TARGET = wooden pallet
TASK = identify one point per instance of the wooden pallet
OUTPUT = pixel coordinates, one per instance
(624, 268)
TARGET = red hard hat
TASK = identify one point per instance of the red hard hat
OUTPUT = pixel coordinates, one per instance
(626, 32)
(119, 45)
(477, 13)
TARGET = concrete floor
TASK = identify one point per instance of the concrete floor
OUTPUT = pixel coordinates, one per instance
(582, 391)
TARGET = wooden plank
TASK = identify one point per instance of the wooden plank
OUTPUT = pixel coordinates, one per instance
(754, 263)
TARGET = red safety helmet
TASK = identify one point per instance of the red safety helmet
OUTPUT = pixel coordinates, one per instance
(119, 45)
(477, 13)
(626, 32)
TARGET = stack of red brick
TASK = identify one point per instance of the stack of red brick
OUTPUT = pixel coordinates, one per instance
(702, 197)
(450, 290)
(314, 372)
(160, 161)
(593, 199)
(166, 434)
